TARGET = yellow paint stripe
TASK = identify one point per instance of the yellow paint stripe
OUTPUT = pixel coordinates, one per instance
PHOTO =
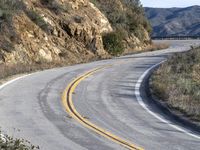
(69, 106)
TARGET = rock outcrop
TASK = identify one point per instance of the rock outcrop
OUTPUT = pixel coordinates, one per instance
(127, 17)
(54, 30)
(45, 31)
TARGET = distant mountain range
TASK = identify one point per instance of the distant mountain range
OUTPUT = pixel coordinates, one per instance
(174, 21)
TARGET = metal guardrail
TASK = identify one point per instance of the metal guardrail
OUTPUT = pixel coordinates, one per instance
(175, 37)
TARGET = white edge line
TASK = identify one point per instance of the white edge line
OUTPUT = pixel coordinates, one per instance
(141, 102)
(13, 80)
(2, 136)
(138, 97)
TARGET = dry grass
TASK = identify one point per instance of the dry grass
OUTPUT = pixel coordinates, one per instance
(20, 68)
(177, 82)
(157, 46)
(8, 70)
(14, 69)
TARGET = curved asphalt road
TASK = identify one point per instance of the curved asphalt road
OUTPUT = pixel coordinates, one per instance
(33, 105)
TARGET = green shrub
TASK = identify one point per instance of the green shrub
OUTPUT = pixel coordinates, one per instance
(128, 14)
(113, 43)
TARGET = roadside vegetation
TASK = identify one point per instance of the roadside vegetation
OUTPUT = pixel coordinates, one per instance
(113, 43)
(127, 22)
(10, 143)
(7, 70)
(177, 83)
(157, 46)
(127, 19)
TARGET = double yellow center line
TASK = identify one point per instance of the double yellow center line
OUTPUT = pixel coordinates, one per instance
(69, 106)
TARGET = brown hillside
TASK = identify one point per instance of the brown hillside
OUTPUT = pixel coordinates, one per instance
(69, 31)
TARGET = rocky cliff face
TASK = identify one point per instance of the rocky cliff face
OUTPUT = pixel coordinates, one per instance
(42, 31)
(54, 30)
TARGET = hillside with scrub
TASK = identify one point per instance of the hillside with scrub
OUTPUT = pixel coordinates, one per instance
(128, 20)
(180, 89)
(48, 33)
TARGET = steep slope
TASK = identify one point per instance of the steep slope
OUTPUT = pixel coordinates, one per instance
(127, 17)
(174, 21)
(51, 30)
(65, 31)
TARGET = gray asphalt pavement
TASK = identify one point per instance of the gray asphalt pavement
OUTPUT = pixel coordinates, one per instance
(31, 107)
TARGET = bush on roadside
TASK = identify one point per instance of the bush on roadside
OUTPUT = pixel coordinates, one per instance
(113, 43)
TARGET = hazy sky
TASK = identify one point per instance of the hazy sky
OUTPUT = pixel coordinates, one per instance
(169, 3)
